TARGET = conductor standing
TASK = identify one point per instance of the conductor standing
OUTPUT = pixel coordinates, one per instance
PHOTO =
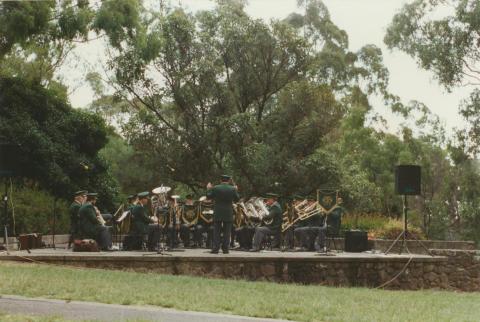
(223, 195)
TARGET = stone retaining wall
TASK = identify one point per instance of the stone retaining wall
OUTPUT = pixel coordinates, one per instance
(449, 269)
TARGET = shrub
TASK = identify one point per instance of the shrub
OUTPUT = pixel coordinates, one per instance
(32, 212)
(378, 225)
(393, 228)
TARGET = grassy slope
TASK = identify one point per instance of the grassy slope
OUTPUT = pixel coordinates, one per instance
(259, 299)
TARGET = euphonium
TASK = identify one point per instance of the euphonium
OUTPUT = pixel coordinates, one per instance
(264, 211)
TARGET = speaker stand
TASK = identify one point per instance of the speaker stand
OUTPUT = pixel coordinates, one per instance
(405, 234)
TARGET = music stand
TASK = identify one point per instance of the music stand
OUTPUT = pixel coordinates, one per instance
(160, 248)
(174, 232)
(407, 182)
(5, 218)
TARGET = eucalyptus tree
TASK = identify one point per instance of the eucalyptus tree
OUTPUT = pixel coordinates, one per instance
(218, 91)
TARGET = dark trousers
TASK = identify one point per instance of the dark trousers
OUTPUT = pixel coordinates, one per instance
(198, 235)
(153, 236)
(172, 236)
(289, 237)
(224, 228)
(261, 233)
(104, 237)
(311, 237)
(245, 236)
(185, 231)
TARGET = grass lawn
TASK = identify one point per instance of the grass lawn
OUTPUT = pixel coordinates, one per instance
(257, 299)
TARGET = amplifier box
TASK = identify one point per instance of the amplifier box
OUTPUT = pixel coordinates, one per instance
(356, 241)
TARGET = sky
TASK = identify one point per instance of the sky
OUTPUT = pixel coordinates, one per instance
(365, 22)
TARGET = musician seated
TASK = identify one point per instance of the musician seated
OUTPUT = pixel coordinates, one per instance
(142, 224)
(204, 223)
(274, 228)
(91, 226)
(189, 219)
(244, 236)
(291, 222)
(311, 232)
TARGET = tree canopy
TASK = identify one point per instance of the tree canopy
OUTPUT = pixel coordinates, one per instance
(58, 144)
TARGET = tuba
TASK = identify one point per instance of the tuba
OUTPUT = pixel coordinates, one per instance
(159, 202)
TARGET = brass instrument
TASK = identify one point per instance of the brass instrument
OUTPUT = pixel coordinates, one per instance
(301, 211)
(256, 210)
(205, 209)
(289, 217)
(240, 217)
(190, 214)
(160, 205)
(175, 210)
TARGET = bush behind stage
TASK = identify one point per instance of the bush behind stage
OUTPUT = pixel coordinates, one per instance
(33, 212)
(378, 225)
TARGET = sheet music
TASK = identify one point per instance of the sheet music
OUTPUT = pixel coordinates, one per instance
(122, 217)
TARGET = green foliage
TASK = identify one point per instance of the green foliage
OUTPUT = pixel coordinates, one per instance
(392, 228)
(242, 96)
(31, 211)
(364, 221)
(36, 36)
(379, 226)
(56, 142)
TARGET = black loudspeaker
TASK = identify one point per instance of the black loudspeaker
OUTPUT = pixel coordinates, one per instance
(356, 241)
(8, 159)
(408, 179)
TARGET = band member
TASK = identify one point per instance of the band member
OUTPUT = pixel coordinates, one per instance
(244, 230)
(78, 201)
(223, 195)
(90, 226)
(292, 222)
(311, 231)
(205, 223)
(173, 209)
(189, 219)
(132, 200)
(142, 224)
(274, 214)
(334, 219)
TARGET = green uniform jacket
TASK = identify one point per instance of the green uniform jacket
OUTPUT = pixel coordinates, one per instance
(275, 212)
(140, 220)
(74, 213)
(223, 195)
(88, 222)
(334, 221)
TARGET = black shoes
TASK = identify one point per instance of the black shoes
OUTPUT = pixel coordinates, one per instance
(216, 252)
